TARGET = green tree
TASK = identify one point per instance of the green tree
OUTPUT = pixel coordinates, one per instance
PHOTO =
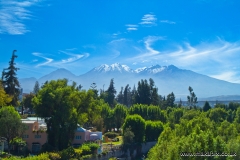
(108, 117)
(127, 96)
(27, 101)
(138, 126)
(170, 100)
(56, 102)
(93, 87)
(10, 81)
(128, 140)
(192, 99)
(133, 95)
(120, 96)
(176, 115)
(111, 92)
(36, 88)
(120, 113)
(143, 93)
(218, 114)
(206, 106)
(237, 118)
(140, 109)
(233, 106)
(153, 93)
(88, 107)
(153, 130)
(5, 99)
(11, 124)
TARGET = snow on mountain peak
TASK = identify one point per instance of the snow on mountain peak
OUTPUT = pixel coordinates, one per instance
(140, 69)
(102, 68)
(113, 67)
(154, 69)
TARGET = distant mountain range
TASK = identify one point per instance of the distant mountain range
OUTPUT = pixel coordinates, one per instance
(167, 78)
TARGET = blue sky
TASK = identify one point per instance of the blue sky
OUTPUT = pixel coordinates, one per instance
(199, 35)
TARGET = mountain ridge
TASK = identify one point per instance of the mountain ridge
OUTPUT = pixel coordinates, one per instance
(167, 78)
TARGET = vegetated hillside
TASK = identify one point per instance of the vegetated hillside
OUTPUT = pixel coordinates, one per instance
(167, 78)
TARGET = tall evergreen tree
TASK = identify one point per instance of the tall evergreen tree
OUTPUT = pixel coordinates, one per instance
(120, 96)
(94, 89)
(147, 93)
(143, 92)
(111, 92)
(133, 95)
(206, 106)
(154, 93)
(192, 98)
(10, 80)
(127, 96)
(36, 88)
(170, 100)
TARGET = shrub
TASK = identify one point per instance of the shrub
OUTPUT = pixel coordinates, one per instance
(86, 157)
(78, 153)
(85, 150)
(67, 153)
(92, 146)
(111, 134)
(43, 156)
(54, 156)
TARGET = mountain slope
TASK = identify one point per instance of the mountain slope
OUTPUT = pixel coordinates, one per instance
(58, 74)
(27, 84)
(167, 78)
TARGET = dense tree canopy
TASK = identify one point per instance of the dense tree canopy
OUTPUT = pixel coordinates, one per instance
(197, 131)
(56, 103)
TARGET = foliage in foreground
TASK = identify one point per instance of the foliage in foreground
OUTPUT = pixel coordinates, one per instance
(211, 131)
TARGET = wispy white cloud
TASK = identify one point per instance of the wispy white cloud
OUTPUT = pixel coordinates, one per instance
(167, 21)
(116, 34)
(132, 27)
(47, 62)
(58, 63)
(218, 59)
(12, 16)
(148, 51)
(230, 76)
(116, 41)
(148, 20)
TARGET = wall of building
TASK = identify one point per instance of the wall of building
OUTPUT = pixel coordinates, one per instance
(32, 135)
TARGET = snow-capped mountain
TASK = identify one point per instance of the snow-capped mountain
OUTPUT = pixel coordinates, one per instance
(138, 70)
(155, 69)
(112, 68)
(167, 78)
